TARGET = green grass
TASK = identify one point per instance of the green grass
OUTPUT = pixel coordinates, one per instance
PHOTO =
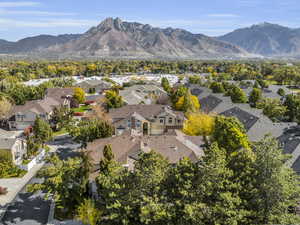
(61, 132)
(83, 108)
(295, 90)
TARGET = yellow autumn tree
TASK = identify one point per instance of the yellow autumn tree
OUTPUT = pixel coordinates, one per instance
(79, 95)
(188, 103)
(199, 124)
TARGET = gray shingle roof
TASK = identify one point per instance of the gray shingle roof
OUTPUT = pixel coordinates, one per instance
(246, 118)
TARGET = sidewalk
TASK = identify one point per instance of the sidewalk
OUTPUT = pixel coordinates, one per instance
(15, 185)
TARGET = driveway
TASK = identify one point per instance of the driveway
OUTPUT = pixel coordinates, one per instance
(65, 147)
(28, 209)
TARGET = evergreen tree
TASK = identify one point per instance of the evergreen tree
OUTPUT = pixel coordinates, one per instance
(255, 97)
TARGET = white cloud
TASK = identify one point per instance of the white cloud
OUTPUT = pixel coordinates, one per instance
(223, 15)
(12, 4)
(34, 13)
(47, 23)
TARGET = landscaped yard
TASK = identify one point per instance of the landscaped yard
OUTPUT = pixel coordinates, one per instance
(82, 108)
(61, 132)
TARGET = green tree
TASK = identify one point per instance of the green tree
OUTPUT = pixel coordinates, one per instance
(277, 186)
(113, 100)
(217, 87)
(272, 108)
(292, 103)
(281, 92)
(237, 95)
(88, 213)
(165, 84)
(255, 97)
(230, 134)
(42, 131)
(90, 130)
(66, 181)
(61, 117)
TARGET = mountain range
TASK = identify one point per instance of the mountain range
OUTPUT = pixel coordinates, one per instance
(114, 38)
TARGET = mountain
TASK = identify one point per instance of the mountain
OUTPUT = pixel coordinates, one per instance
(31, 44)
(266, 39)
(115, 38)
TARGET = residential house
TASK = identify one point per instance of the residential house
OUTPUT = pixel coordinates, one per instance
(127, 147)
(142, 94)
(255, 122)
(12, 144)
(23, 116)
(146, 119)
(98, 85)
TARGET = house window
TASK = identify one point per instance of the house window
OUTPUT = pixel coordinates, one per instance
(179, 121)
(161, 121)
(138, 123)
(170, 120)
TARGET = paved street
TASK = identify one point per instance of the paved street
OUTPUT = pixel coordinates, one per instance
(32, 209)
(65, 147)
(28, 209)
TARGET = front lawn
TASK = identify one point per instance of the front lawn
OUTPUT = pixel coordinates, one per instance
(82, 108)
(61, 132)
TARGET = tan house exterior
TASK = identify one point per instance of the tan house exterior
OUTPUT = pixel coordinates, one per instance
(146, 119)
(12, 145)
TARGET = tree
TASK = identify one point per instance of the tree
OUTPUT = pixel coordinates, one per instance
(108, 158)
(255, 97)
(272, 108)
(218, 188)
(79, 95)
(5, 107)
(281, 92)
(237, 95)
(90, 130)
(188, 103)
(217, 87)
(230, 134)
(165, 84)
(113, 100)
(292, 103)
(61, 117)
(88, 213)
(42, 131)
(66, 181)
(199, 124)
(277, 186)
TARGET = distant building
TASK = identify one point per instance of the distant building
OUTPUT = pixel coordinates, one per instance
(142, 94)
(98, 85)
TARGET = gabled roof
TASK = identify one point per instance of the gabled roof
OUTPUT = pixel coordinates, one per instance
(54, 97)
(146, 111)
(171, 147)
(246, 118)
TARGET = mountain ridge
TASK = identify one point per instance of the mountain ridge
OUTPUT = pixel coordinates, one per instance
(266, 39)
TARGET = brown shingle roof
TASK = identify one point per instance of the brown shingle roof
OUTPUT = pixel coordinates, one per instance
(124, 146)
(146, 111)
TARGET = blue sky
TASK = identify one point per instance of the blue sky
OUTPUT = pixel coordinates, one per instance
(22, 18)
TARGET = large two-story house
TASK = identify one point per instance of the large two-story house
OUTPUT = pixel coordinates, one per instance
(146, 119)
(23, 116)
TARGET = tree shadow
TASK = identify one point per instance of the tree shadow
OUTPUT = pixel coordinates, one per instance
(28, 209)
